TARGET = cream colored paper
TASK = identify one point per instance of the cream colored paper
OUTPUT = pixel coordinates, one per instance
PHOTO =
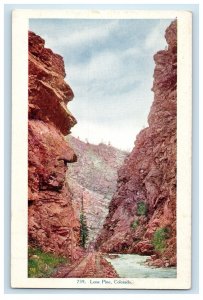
(19, 277)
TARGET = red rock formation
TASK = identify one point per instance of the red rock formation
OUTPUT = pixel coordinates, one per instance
(145, 201)
(52, 224)
(92, 181)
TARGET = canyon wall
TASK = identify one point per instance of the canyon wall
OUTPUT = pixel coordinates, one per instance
(52, 224)
(142, 213)
(92, 181)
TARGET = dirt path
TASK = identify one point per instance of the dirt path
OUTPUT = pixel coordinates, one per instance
(92, 265)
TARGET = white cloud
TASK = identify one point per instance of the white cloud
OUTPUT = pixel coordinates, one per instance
(104, 65)
(96, 133)
(133, 51)
(155, 39)
(89, 35)
(116, 118)
(106, 68)
(111, 102)
(82, 37)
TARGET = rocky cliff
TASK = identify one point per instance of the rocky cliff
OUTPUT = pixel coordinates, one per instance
(92, 181)
(52, 224)
(142, 213)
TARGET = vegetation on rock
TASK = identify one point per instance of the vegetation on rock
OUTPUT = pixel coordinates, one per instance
(135, 224)
(159, 239)
(141, 208)
(42, 264)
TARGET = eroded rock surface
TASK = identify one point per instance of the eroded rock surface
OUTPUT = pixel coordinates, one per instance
(92, 181)
(143, 209)
(52, 223)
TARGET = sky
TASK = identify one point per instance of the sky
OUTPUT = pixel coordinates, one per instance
(109, 66)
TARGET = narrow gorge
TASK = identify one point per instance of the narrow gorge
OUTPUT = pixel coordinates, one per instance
(91, 203)
(142, 213)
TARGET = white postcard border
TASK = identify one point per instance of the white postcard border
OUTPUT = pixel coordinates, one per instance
(19, 277)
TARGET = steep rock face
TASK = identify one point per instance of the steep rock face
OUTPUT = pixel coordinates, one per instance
(142, 214)
(92, 181)
(52, 224)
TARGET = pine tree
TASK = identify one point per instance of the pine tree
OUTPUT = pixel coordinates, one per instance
(83, 227)
(83, 230)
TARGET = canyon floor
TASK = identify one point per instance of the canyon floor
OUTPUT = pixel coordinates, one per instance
(92, 265)
(98, 265)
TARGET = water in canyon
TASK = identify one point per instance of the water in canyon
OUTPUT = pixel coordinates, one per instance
(133, 266)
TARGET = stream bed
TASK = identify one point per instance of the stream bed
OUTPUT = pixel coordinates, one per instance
(132, 266)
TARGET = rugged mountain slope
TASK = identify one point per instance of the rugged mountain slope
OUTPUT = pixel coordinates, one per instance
(51, 219)
(92, 180)
(142, 214)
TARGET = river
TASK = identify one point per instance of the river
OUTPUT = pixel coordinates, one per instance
(132, 266)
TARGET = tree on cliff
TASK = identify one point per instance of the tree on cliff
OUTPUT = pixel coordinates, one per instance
(83, 227)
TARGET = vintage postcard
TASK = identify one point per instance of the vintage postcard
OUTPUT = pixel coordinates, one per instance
(101, 149)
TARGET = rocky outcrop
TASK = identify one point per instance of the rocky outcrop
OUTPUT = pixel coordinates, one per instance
(92, 181)
(52, 224)
(142, 214)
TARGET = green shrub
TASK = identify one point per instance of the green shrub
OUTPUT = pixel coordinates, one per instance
(42, 264)
(135, 223)
(141, 208)
(159, 239)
